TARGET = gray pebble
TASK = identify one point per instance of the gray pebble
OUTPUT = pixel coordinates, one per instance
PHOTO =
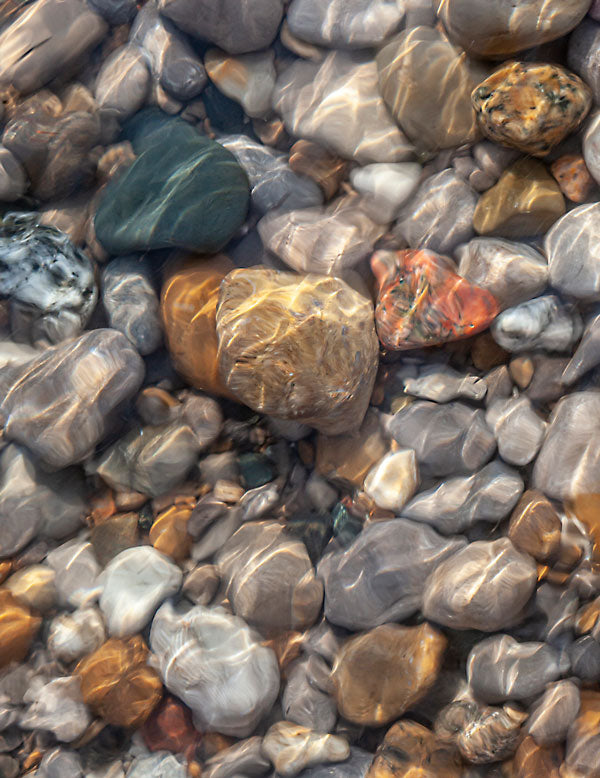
(57, 707)
(584, 654)
(115, 11)
(303, 703)
(159, 765)
(553, 713)
(200, 584)
(58, 763)
(572, 246)
(441, 384)
(244, 757)
(542, 323)
(583, 54)
(357, 766)
(587, 354)
(123, 83)
(518, 429)
(77, 573)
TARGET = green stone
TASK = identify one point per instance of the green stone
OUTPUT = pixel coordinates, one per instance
(345, 526)
(255, 470)
(182, 191)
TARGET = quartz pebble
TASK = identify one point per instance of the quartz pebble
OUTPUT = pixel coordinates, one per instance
(553, 713)
(393, 480)
(442, 384)
(544, 322)
(518, 429)
(76, 571)
(291, 747)
(71, 635)
(249, 79)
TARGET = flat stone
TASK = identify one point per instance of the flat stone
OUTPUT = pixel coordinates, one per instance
(385, 187)
(583, 740)
(291, 748)
(56, 707)
(573, 254)
(393, 481)
(518, 429)
(573, 177)
(535, 526)
(355, 24)
(441, 384)
(123, 82)
(249, 79)
(587, 353)
(553, 713)
(542, 323)
(72, 635)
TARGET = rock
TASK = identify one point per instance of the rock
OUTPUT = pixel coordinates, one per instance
(169, 533)
(385, 187)
(354, 767)
(546, 385)
(183, 190)
(542, 323)
(498, 29)
(115, 534)
(448, 439)
(499, 384)
(201, 584)
(556, 606)
(518, 429)
(567, 463)
(492, 159)
(34, 586)
(531, 107)
(573, 177)
(337, 104)
(393, 481)
(49, 282)
(304, 703)
(420, 69)
(332, 359)
(356, 24)
(170, 727)
(583, 741)
(72, 635)
(134, 584)
(440, 215)
(48, 39)
(323, 239)
(584, 654)
(249, 79)
(76, 571)
(236, 27)
(573, 257)
(535, 526)
(327, 170)
(483, 586)
(58, 763)
(587, 354)
(212, 661)
(441, 384)
(18, 628)
(591, 146)
(160, 765)
(57, 707)
(67, 430)
(512, 272)
(525, 201)
(13, 179)
(582, 53)
(531, 759)
(115, 12)
(380, 576)
(455, 504)
(252, 560)
(553, 713)
(243, 756)
(499, 668)
(291, 748)
(123, 82)
(378, 675)
(118, 685)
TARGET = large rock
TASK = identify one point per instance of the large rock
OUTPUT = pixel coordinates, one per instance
(123, 82)
(572, 246)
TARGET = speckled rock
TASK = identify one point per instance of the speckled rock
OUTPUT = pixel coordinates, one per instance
(573, 177)
(123, 82)
(571, 246)
(542, 323)
(291, 747)
(518, 429)
(553, 713)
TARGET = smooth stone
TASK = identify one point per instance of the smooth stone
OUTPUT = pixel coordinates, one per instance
(50, 282)
(421, 301)
(237, 27)
(569, 461)
(77, 573)
(123, 82)
(58, 763)
(512, 272)
(531, 107)
(583, 741)
(456, 504)
(49, 38)
(573, 256)
(518, 429)
(441, 384)
(243, 757)
(492, 159)
(525, 201)
(483, 586)
(440, 215)
(135, 583)
(591, 146)
(249, 79)
(531, 759)
(573, 177)
(355, 767)
(183, 190)
(268, 334)
(325, 169)
(556, 608)
(393, 481)
(59, 403)
(56, 707)
(587, 353)
(427, 82)
(256, 557)
(214, 663)
(448, 439)
(542, 323)
(305, 704)
(169, 535)
(497, 29)
(385, 187)
(535, 526)
(13, 179)
(547, 385)
(33, 502)
(292, 747)
(72, 635)
(500, 668)
(159, 765)
(582, 53)
(584, 654)
(337, 104)
(521, 370)
(380, 576)
(380, 674)
(18, 628)
(553, 713)
(34, 586)
(115, 12)
(499, 384)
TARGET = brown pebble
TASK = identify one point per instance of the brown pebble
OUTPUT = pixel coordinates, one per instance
(521, 370)
(170, 728)
(5, 569)
(573, 177)
(535, 526)
(326, 169)
(113, 535)
(486, 353)
(102, 505)
(130, 501)
(17, 629)
(533, 761)
(169, 533)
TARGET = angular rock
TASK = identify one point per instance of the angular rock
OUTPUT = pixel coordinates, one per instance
(340, 25)
(535, 526)
(553, 713)
(518, 429)
(71, 635)
(587, 354)
(303, 703)
(57, 707)
(291, 748)
(385, 187)
(249, 79)
(573, 255)
(393, 481)
(441, 384)
(123, 82)
(542, 323)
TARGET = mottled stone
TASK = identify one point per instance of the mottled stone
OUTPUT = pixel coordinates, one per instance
(410, 749)
(248, 79)
(34, 586)
(123, 82)
(553, 713)
(455, 504)
(583, 739)
(573, 255)
(518, 429)
(525, 201)
(587, 354)
(291, 748)
(499, 668)
(59, 403)
(542, 323)
(535, 526)
(18, 628)
(279, 359)
(325, 169)
(573, 177)
(57, 707)
(71, 635)
(355, 24)
(380, 576)
(393, 481)
(385, 187)
(427, 84)
(531, 107)
(337, 104)
(441, 384)
(440, 215)
(77, 570)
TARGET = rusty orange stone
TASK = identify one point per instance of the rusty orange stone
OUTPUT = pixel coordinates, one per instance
(170, 728)
(573, 177)
(422, 301)
(17, 629)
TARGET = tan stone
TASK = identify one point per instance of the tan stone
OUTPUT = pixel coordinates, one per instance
(586, 507)
(521, 370)
(533, 761)
(573, 177)
(17, 628)
(326, 169)
(169, 533)
(535, 526)
(34, 587)
(113, 535)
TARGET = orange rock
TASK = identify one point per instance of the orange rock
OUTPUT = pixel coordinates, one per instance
(533, 761)
(170, 728)
(573, 177)
(17, 629)
(169, 533)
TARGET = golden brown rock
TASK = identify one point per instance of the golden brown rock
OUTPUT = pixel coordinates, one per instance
(573, 177)
(531, 107)
(521, 370)
(586, 507)
(169, 533)
(34, 586)
(297, 347)
(113, 535)
(535, 526)
(17, 628)
(326, 169)
(188, 304)
(533, 761)
(118, 685)
(525, 201)
(381, 673)
(409, 750)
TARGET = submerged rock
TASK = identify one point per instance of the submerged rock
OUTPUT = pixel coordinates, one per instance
(542, 323)
(291, 747)
(572, 247)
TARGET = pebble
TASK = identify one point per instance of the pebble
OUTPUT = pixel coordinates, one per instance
(115, 12)
(535, 527)
(13, 179)
(385, 187)
(542, 323)
(355, 767)
(441, 384)
(587, 353)
(583, 742)
(518, 429)
(34, 587)
(269, 578)
(553, 713)
(76, 571)
(573, 177)
(58, 763)
(112, 535)
(440, 215)
(402, 553)
(340, 25)
(304, 703)
(337, 103)
(213, 662)
(249, 79)
(531, 759)
(18, 628)
(421, 301)
(526, 201)
(325, 169)
(242, 758)
(169, 533)
(266, 316)
(591, 146)
(159, 765)
(573, 257)
(72, 635)
(170, 728)
(58, 707)
(420, 68)
(456, 504)
(393, 480)
(123, 83)
(380, 674)
(584, 654)
(291, 748)
(134, 584)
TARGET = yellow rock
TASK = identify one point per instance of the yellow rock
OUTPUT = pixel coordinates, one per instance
(17, 628)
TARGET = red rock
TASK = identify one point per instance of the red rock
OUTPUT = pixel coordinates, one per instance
(170, 728)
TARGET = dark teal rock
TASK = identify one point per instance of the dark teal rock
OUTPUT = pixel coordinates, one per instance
(346, 526)
(255, 470)
(183, 191)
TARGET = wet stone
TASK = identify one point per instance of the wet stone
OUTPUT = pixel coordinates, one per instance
(170, 728)
(71, 635)
(304, 703)
(573, 177)
(553, 713)
(123, 82)
(587, 354)
(18, 628)
(583, 741)
(291, 747)
(325, 169)
(34, 586)
(57, 707)
(441, 384)
(248, 79)
(242, 758)
(160, 765)
(393, 480)
(573, 258)
(518, 429)
(77, 569)
(584, 654)
(531, 759)
(535, 527)
(113, 535)
(543, 323)
(385, 187)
